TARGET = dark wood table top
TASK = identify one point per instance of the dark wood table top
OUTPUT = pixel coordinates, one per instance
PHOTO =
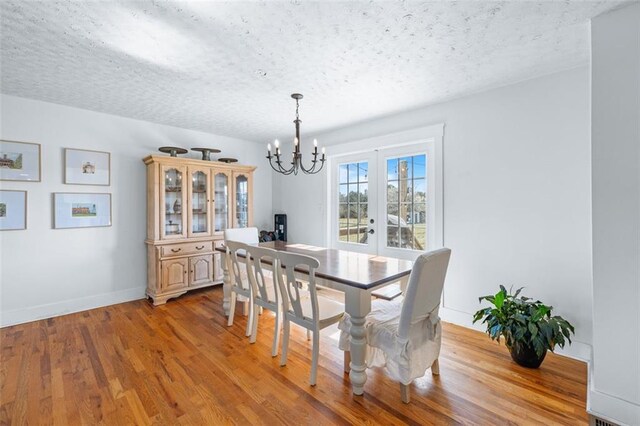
(347, 267)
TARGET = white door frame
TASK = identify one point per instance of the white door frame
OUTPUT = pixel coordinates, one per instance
(431, 137)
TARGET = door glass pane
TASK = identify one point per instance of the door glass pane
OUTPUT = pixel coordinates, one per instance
(199, 202)
(392, 192)
(242, 201)
(344, 191)
(353, 222)
(343, 173)
(343, 222)
(406, 198)
(363, 172)
(362, 193)
(392, 169)
(420, 226)
(353, 202)
(173, 202)
(221, 183)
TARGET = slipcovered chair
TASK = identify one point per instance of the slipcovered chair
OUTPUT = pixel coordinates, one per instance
(304, 307)
(405, 335)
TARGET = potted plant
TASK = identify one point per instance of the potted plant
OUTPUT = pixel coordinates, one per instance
(527, 326)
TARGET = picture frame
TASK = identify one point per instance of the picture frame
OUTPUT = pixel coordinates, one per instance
(13, 210)
(87, 167)
(20, 161)
(81, 210)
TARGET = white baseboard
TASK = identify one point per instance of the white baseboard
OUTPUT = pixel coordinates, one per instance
(577, 350)
(33, 313)
(618, 411)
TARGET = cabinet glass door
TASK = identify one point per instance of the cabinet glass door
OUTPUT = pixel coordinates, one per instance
(221, 198)
(242, 201)
(199, 224)
(173, 200)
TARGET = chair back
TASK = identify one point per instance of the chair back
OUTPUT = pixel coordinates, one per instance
(290, 288)
(256, 270)
(233, 247)
(424, 291)
(243, 235)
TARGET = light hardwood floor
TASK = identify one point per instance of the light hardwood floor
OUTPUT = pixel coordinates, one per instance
(180, 364)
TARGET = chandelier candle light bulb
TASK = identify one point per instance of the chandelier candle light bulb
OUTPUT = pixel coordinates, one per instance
(296, 163)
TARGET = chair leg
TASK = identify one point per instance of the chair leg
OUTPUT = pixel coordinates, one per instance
(254, 325)
(404, 393)
(314, 358)
(232, 308)
(246, 308)
(308, 334)
(285, 343)
(435, 368)
(250, 319)
(347, 361)
(276, 333)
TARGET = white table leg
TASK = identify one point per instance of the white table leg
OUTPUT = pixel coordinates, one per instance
(358, 305)
(226, 283)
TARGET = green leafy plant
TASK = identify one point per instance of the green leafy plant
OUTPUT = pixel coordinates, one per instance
(523, 321)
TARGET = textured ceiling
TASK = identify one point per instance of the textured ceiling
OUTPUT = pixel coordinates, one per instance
(229, 67)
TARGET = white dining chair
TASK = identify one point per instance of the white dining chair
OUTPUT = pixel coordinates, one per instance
(405, 335)
(304, 307)
(242, 235)
(247, 236)
(261, 264)
(240, 286)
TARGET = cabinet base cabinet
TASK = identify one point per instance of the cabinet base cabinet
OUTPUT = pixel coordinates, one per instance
(200, 270)
(172, 272)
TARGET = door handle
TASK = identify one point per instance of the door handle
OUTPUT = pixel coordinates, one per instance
(371, 231)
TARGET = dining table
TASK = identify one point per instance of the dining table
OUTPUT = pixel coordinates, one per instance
(355, 274)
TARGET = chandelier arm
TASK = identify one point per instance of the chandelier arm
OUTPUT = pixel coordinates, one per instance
(310, 170)
(271, 164)
(283, 170)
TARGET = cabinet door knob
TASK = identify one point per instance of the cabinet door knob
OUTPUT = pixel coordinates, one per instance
(176, 250)
(199, 248)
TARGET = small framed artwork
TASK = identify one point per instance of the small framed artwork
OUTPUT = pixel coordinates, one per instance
(19, 161)
(81, 210)
(84, 167)
(13, 210)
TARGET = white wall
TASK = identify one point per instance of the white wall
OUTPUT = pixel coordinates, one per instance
(615, 136)
(47, 272)
(516, 194)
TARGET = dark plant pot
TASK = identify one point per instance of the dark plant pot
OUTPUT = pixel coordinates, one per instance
(526, 356)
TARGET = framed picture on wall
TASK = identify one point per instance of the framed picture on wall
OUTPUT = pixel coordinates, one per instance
(85, 167)
(81, 210)
(19, 161)
(13, 210)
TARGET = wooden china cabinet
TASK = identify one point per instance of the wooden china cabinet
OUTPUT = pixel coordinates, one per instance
(189, 205)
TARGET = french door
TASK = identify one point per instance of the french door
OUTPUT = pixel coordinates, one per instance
(385, 202)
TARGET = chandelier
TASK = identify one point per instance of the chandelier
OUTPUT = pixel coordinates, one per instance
(275, 160)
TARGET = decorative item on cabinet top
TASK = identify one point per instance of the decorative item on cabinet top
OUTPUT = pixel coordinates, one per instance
(173, 151)
(206, 152)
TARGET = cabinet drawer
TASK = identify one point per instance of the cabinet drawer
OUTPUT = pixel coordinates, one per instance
(186, 248)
